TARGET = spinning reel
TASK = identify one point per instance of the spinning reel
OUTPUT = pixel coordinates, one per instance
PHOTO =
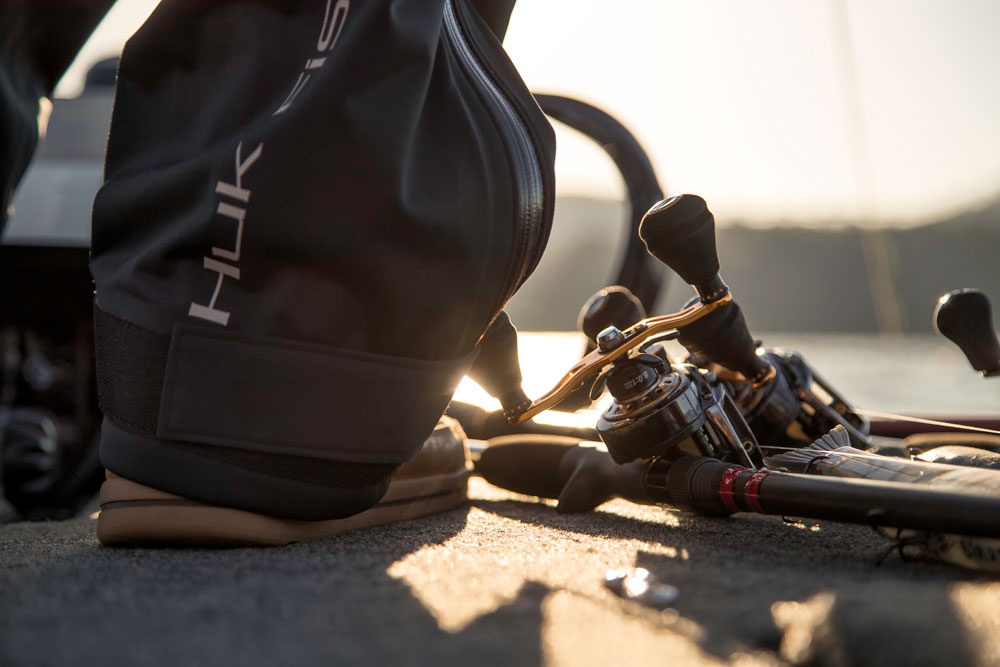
(726, 399)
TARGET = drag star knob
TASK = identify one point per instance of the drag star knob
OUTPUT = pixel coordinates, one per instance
(965, 318)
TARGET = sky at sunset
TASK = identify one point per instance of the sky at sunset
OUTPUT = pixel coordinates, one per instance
(771, 109)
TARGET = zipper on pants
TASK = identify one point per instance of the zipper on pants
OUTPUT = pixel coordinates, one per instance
(529, 186)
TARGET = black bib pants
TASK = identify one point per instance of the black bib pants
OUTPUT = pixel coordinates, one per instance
(311, 213)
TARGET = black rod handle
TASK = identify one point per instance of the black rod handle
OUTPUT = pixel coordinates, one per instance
(709, 486)
(580, 476)
(881, 503)
(583, 477)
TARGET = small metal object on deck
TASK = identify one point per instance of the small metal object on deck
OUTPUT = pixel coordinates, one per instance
(640, 585)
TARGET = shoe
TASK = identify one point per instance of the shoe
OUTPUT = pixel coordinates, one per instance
(436, 480)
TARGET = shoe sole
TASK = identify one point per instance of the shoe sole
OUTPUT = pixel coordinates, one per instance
(134, 514)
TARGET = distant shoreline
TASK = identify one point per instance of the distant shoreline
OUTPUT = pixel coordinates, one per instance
(788, 278)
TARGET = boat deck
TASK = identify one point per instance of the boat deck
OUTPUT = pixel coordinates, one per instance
(504, 580)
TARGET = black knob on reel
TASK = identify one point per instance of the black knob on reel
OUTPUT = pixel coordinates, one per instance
(613, 306)
(497, 368)
(680, 232)
(965, 318)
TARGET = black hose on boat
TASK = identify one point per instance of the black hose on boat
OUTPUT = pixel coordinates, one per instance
(642, 274)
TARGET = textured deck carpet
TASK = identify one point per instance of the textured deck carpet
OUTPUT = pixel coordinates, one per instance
(501, 581)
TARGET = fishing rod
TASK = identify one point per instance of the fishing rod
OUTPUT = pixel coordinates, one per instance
(582, 476)
(695, 433)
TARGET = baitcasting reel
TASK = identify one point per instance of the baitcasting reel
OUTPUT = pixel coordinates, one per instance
(798, 406)
(692, 434)
(666, 410)
(727, 398)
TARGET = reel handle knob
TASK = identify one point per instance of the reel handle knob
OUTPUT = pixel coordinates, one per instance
(680, 232)
(613, 306)
(965, 318)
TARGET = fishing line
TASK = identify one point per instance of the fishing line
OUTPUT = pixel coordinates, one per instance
(930, 422)
(803, 448)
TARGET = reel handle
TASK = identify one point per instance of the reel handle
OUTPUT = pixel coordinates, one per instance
(680, 232)
(965, 318)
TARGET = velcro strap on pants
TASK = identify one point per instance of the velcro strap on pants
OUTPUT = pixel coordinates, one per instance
(272, 395)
